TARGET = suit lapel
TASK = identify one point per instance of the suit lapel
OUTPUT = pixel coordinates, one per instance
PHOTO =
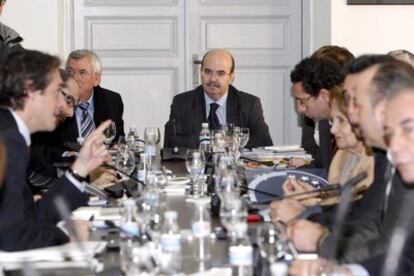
(232, 112)
(199, 109)
(325, 142)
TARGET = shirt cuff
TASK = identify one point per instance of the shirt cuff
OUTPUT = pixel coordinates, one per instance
(61, 226)
(78, 184)
(356, 269)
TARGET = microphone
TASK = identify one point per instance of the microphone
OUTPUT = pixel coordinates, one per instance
(63, 210)
(130, 176)
(175, 148)
(343, 206)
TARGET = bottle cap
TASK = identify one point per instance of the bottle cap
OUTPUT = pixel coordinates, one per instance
(204, 125)
(170, 215)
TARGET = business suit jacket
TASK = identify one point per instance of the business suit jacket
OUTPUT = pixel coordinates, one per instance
(188, 112)
(18, 212)
(107, 105)
(322, 154)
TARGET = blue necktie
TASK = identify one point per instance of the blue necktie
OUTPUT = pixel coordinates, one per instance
(87, 125)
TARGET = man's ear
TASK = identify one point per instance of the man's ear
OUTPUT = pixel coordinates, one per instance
(96, 79)
(324, 94)
(232, 77)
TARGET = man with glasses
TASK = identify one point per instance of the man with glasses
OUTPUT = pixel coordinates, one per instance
(46, 147)
(96, 104)
(313, 79)
(217, 102)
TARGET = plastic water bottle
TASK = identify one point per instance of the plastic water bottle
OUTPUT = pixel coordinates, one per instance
(201, 229)
(241, 252)
(170, 245)
(131, 138)
(142, 167)
(205, 143)
(129, 234)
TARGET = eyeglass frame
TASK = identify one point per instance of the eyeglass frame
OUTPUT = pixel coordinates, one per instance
(303, 101)
(69, 99)
(82, 73)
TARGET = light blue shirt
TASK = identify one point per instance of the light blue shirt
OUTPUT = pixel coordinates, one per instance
(79, 112)
(221, 110)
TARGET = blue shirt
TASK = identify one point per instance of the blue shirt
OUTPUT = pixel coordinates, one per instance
(79, 112)
(221, 110)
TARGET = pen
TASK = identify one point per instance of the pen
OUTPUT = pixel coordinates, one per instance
(91, 218)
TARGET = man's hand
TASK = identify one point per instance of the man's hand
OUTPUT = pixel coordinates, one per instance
(93, 151)
(83, 229)
(293, 186)
(317, 267)
(306, 235)
(285, 210)
(108, 176)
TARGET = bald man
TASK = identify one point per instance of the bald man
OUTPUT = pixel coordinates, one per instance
(217, 102)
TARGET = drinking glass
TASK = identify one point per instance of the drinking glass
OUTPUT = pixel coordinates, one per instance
(110, 133)
(125, 162)
(195, 163)
(244, 136)
(269, 241)
(152, 135)
(232, 212)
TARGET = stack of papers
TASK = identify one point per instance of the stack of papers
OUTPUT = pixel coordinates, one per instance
(99, 214)
(67, 255)
(277, 153)
(177, 185)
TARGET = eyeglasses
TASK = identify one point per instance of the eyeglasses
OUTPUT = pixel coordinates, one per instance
(82, 73)
(303, 101)
(210, 73)
(69, 99)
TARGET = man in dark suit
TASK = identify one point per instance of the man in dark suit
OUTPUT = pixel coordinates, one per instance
(30, 85)
(217, 102)
(390, 253)
(96, 104)
(313, 79)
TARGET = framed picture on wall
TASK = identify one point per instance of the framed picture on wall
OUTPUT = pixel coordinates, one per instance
(380, 2)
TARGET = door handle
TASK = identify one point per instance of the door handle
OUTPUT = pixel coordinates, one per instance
(196, 70)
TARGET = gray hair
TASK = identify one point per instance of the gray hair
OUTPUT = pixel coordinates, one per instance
(82, 53)
(390, 79)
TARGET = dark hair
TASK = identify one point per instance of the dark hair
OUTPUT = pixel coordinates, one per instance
(316, 74)
(390, 79)
(340, 55)
(233, 63)
(25, 71)
(363, 62)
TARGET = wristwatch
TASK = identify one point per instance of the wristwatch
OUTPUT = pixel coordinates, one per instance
(76, 175)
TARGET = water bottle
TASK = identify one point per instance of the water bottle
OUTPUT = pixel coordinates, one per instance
(142, 167)
(241, 252)
(170, 245)
(129, 233)
(131, 138)
(205, 143)
(201, 229)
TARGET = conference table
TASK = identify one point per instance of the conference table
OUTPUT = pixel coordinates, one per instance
(185, 209)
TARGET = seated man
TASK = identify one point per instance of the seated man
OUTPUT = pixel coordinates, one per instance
(217, 102)
(313, 80)
(398, 259)
(45, 147)
(96, 104)
(30, 85)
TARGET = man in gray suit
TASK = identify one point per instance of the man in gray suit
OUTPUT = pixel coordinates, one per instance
(217, 102)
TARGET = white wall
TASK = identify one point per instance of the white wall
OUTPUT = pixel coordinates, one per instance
(372, 29)
(39, 22)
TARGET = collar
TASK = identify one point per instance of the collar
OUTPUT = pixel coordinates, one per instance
(221, 102)
(21, 125)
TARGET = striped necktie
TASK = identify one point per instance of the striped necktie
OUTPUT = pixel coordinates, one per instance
(87, 125)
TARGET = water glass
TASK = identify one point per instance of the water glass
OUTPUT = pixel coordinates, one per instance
(125, 162)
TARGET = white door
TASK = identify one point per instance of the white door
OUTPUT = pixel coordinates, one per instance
(147, 49)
